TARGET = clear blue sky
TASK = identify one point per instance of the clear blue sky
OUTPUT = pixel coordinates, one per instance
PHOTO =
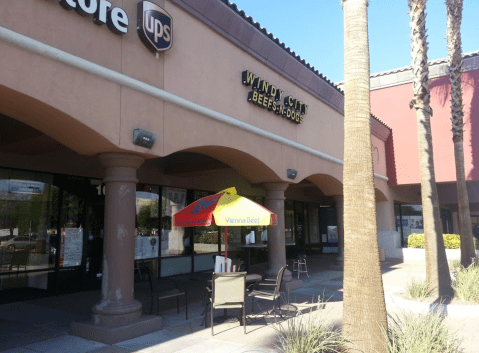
(314, 30)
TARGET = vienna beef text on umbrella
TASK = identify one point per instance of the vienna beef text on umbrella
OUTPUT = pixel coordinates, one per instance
(225, 208)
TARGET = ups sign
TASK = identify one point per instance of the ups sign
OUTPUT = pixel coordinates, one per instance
(154, 26)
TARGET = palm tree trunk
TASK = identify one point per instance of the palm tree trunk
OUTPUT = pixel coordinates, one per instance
(364, 315)
(437, 269)
(454, 48)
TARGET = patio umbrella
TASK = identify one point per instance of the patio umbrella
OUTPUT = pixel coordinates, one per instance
(225, 208)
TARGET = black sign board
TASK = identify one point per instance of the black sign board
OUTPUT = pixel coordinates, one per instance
(154, 26)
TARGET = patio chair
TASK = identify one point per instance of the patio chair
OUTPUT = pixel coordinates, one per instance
(228, 292)
(164, 289)
(299, 264)
(19, 259)
(274, 296)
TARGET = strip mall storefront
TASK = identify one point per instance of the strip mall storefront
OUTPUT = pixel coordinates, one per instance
(114, 115)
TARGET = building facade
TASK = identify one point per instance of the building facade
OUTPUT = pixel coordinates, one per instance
(114, 115)
(391, 92)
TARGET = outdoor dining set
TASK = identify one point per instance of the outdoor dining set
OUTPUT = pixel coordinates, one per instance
(224, 290)
(228, 286)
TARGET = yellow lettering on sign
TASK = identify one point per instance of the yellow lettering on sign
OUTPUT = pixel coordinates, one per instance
(272, 91)
(270, 104)
(279, 95)
(290, 101)
(265, 101)
(264, 87)
(260, 99)
(255, 97)
(248, 78)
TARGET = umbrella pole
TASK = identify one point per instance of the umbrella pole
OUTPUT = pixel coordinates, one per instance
(226, 249)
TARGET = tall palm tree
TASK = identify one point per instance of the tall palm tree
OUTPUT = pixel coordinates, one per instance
(454, 48)
(437, 269)
(364, 315)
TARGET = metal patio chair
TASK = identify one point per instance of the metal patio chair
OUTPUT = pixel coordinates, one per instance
(299, 264)
(274, 295)
(228, 292)
(164, 289)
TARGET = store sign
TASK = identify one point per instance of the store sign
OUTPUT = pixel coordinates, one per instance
(24, 187)
(268, 96)
(154, 26)
(115, 18)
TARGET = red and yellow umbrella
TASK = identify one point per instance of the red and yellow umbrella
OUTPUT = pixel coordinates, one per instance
(225, 208)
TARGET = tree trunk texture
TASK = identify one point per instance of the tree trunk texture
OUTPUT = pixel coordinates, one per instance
(364, 313)
(437, 269)
(454, 48)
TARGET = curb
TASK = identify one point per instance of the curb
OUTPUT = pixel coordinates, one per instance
(449, 310)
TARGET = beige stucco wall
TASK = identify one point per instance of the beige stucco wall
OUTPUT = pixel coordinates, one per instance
(91, 115)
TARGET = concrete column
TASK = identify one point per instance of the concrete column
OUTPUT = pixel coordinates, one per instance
(385, 218)
(340, 216)
(117, 303)
(276, 237)
(118, 316)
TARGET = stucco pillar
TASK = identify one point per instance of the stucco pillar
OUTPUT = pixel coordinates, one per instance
(385, 218)
(118, 316)
(276, 237)
(340, 217)
(117, 303)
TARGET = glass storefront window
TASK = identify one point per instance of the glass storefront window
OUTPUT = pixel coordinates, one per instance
(289, 221)
(71, 248)
(147, 239)
(408, 220)
(28, 227)
(205, 239)
(173, 239)
(314, 236)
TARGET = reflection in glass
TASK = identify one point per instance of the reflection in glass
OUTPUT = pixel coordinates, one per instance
(205, 239)
(147, 221)
(289, 221)
(313, 223)
(71, 248)
(28, 227)
(173, 239)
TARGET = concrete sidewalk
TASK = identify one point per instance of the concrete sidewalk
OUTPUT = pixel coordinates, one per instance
(34, 326)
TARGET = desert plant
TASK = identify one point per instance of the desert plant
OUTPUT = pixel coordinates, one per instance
(455, 265)
(419, 290)
(420, 333)
(466, 284)
(303, 335)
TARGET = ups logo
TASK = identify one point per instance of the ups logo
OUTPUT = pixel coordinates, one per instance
(154, 26)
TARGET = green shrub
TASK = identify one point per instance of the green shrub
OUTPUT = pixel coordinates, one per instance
(29, 247)
(208, 238)
(466, 284)
(415, 241)
(419, 290)
(414, 333)
(451, 241)
(310, 336)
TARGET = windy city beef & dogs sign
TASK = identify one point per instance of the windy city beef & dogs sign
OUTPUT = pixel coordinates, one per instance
(268, 96)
